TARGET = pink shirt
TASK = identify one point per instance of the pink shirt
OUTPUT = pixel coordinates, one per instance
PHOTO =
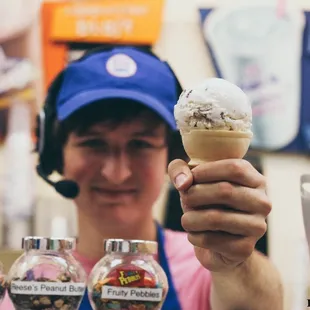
(192, 281)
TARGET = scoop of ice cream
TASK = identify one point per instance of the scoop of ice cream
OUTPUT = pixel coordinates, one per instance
(215, 104)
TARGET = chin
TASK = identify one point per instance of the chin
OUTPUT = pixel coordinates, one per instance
(120, 214)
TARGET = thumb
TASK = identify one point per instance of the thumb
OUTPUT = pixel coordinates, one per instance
(180, 175)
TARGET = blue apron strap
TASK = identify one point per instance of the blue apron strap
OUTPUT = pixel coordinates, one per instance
(85, 304)
(171, 302)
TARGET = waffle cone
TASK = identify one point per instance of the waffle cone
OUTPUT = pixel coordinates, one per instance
(210, 145)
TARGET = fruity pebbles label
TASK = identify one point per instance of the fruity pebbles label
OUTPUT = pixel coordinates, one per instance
(128, 288)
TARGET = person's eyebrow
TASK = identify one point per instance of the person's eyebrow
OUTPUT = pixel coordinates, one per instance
(93, 132)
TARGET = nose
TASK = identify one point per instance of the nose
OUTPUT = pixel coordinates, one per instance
(116, 168)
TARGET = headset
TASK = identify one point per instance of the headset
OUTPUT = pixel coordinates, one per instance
(48, 152)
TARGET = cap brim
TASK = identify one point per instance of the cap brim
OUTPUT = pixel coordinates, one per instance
(85, 98)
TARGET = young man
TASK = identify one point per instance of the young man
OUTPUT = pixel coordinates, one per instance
(113, 116)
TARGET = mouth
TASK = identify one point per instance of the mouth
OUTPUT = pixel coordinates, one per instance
(114, 193)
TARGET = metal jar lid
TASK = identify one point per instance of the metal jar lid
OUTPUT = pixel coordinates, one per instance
(43, 243)
(130, 246)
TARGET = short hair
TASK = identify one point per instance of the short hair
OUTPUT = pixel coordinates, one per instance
(114, 112)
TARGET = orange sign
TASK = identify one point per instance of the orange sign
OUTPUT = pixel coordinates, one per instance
(133, 21)
(96, 21)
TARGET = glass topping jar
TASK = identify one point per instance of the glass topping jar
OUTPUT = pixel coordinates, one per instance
(46, 276)
(128, 277)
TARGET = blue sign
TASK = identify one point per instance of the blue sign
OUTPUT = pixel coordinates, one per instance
(275, 75)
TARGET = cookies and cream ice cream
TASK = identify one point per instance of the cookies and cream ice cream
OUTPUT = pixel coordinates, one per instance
(214, 120)
(215, 104)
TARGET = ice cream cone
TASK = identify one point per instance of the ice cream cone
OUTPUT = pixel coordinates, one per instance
(210, 145)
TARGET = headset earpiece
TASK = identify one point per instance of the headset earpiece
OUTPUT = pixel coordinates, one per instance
(45, 128)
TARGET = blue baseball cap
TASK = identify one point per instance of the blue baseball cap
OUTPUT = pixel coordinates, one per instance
(119, 73)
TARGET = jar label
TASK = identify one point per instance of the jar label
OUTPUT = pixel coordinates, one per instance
(47, 288)
(128, 287)
(130, 277)
(126, 293)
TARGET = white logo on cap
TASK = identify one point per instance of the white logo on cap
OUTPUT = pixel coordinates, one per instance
(121, 65)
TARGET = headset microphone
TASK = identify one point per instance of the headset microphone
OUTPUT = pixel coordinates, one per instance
(66, 188)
